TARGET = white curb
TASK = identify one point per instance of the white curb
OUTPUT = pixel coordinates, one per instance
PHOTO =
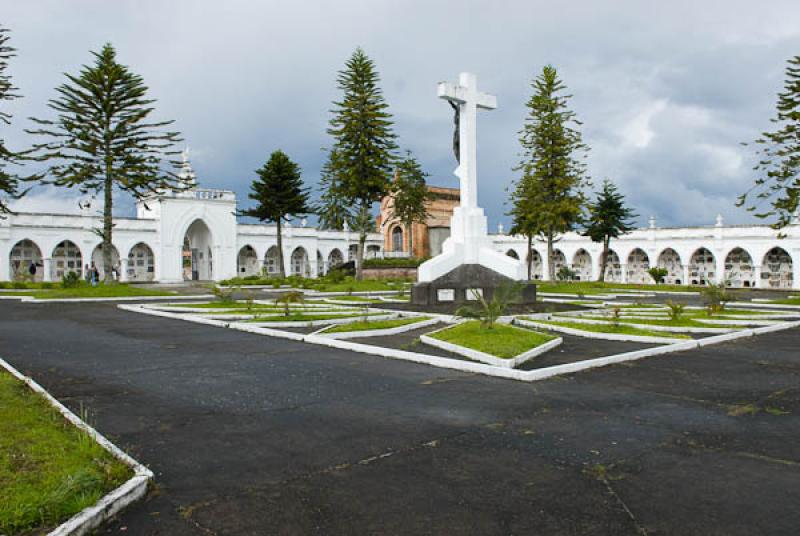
(113, 502)
(599, 335)
(377, 332)
(651, 327)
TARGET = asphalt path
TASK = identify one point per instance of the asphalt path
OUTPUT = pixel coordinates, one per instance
(255, 435)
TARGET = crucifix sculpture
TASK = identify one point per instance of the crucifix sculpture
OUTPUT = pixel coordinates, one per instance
(466, 99)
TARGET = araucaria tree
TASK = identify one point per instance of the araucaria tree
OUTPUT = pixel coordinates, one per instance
(103, 139)
(410, 196)
(9, 183)
(548, 198)
(779, 157)
(279, 194)
(333, 208)
(608, 218)
(364, 143)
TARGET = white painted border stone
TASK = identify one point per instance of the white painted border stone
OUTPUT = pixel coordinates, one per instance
(31, 299)
(378, 332)
(113, 502)
(598, 335)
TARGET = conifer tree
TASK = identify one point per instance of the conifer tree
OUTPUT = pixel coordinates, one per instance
(103, 139)
(9, 182)
(364, 143)
(279, 193)
(608, 218)
(779, 156)
(333, 208)
(410, 196)
(548, 199)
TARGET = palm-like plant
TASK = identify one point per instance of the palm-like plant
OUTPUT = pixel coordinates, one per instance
(489, 311)
(287, 299)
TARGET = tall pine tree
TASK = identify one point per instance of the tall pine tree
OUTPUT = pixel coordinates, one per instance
(608, 218)
(779, 157)
(364, 143)
(9, 182)
(103, 139)
(410, 196)
(279, 193)
(333, 208)
(548, 199)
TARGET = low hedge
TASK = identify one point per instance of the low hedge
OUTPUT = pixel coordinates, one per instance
(399, 262)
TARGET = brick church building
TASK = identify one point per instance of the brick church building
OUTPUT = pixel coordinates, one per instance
(427, 237)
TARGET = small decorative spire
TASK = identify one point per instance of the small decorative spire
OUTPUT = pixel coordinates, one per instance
(652, 222)
(187, 174)
(500, 228)
(719, 220)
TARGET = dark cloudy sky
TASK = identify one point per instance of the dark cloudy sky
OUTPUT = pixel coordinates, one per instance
(666, 90)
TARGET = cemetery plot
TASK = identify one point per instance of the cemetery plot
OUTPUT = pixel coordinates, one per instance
(530, 342)
(49, 469)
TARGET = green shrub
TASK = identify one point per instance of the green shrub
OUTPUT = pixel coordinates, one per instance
(658, 274)
(489, 311)
(70, 280)
(565, 274)
(675, 310)
(400, 262)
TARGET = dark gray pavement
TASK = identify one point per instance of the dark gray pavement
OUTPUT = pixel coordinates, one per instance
(254, 435)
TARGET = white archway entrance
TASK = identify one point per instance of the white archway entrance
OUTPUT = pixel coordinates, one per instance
(198, 261)
(66, 258)
(776, 271)
(638, 266)
(247, 262)
(702, 267)
(141, 263)
(300, 262)
(25, 254)
(739, 269)
(613, 267)
(536, 264)
(671, 261)
(97, 259)
(582, 265)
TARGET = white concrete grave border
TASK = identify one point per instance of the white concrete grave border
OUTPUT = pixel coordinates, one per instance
(378, 332)
(114, 501)
(469, 366)
(598, 335)
(483, 357)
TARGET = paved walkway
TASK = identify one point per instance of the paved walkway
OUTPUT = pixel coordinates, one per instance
(253, 435)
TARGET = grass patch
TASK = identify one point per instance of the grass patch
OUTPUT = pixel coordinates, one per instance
(357, 299)
(376, 324)
(611, 328)
(502, 340)
(684, 322)
(84, 290)
(596, 287)
(787, 301)
(49, 470)
(301, 317)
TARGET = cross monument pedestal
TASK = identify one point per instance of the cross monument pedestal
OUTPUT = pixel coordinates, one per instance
(468, 260)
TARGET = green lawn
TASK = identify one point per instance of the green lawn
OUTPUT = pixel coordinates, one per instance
(357, 299)
(596, 287)
(241, 305)
(684, 322)
(787, 301)
(115, 290)
(376, 324)
(49, 470)
(348, 284)
(611, 328)
(301, 317)
(502, 340)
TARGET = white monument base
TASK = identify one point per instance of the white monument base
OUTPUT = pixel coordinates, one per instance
(469, 243)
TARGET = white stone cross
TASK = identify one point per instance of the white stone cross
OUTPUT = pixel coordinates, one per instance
(466, 96)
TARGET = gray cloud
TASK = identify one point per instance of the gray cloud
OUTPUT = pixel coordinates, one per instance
(666, 91)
